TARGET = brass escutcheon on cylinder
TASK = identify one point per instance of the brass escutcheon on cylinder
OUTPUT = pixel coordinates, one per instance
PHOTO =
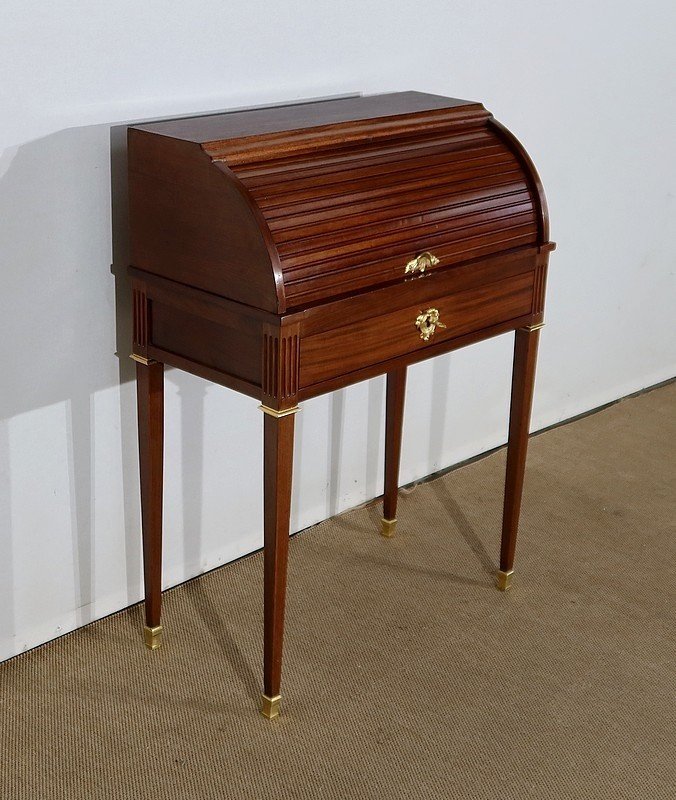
(421, 263)
(427, 322)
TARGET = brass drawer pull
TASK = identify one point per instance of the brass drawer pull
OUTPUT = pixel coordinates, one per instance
(427, 323)
(421, 263)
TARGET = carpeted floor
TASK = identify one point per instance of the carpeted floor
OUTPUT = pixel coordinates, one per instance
(407, 675)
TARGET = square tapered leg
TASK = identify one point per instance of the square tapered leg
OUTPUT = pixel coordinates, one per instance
(150, 397)
(523, 381)
(394, 419)
(278, 462)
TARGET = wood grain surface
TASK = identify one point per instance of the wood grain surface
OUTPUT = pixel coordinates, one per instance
(272, 250)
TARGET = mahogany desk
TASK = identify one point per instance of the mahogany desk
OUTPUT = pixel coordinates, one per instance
(291, 251)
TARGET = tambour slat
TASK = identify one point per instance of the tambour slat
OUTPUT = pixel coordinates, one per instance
(364, 167)
(441, 242)
(452, 218)
(393, 195)
(385, 182)
(367, 152)
(293, 226)
(303, 293)
(351, 217)
(385, 175)
(355, 224)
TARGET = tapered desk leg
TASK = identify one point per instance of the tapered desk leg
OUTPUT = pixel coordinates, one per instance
(394, 418)
(278, 462)
(150, 397)
(523, 380)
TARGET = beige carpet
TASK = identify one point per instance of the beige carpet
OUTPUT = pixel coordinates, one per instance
(407, 675)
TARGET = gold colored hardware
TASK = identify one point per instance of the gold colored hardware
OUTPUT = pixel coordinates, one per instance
(153, 637)
(272, 412)
(142, 360)
(504, 581)
(270, 706)
(427, 322)
(387, 527)
(531, 328)
(421, 263)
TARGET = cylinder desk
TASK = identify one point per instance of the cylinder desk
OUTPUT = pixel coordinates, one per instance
(290, 251)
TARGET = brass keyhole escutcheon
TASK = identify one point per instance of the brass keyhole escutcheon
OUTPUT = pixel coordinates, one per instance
(421, 263)
(427, 323)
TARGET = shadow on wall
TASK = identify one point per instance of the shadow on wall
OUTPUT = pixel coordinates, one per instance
(6, 544)
(58, 314)
(66, 337)
(192, 394)
(66, 310)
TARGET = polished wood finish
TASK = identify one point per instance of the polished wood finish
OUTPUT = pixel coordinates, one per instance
(278, 463)
(319, 117)
(523, 382)
(296, 206)
(394, 420)
(150, 399)
(177, 198)
(269, 254)
(384, 336)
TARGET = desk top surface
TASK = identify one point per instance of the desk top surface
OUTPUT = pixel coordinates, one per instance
(238, 124)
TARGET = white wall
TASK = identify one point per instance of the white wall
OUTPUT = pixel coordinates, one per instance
(587, 86)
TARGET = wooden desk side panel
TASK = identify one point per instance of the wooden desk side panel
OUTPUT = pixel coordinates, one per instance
(232, 349)
(183, 327)
(192, 223)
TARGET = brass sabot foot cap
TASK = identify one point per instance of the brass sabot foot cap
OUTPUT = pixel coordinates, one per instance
(153, 637)
(387, 527)
(270, 706)
(504, 579)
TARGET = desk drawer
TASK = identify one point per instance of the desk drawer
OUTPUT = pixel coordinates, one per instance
(428, 323)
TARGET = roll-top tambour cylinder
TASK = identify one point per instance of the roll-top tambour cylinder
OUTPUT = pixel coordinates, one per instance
(299, 205)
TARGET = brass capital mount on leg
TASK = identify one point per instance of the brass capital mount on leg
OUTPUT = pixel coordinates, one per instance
(272, 412)
(532, 328)
(142, 360)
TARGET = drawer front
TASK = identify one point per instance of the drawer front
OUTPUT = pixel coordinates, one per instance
(348, 348)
